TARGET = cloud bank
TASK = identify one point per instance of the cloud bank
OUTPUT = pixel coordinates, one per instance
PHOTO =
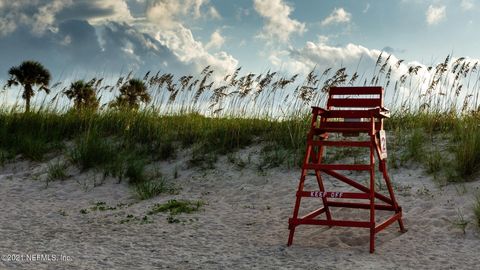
(102, 36)
(278, 24)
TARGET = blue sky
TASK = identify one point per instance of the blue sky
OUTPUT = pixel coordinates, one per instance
(85, 37)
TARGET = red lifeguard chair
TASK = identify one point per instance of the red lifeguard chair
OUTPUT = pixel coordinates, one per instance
(350, 111)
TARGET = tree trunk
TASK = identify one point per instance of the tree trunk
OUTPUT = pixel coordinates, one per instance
(27, 95)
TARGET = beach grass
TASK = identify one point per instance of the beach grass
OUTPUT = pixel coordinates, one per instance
(175, 207)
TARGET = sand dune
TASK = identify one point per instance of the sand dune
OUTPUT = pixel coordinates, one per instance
(243, 225)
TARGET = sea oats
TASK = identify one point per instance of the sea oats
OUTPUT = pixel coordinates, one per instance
(353, 79)
(458, 90)
(98, 83)
(264, 82)
(119, 82)
(399, 62)
(389, 73)
(218, 94)
(326, 71)
(193, 84)
(203, 84)
(233, 78)
(184, 80)
(145, 78)
(379, 59)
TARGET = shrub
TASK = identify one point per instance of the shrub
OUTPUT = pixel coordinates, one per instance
(56, 171)
(92, 151)
(467, 150)
(414, 146)
(135, 172)
(151, 188)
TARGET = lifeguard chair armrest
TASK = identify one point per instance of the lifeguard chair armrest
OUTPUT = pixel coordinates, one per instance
(319, 110)
(380, 112)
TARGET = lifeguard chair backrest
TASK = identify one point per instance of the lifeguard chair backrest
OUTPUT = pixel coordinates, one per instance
(357, 98)
(351, 105)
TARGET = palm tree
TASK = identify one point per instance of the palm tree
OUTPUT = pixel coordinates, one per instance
(83, 95)
(29, 74)
(131, 94)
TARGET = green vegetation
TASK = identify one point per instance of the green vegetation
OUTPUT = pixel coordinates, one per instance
(148, 185)
(414, 149)
(434, 162)
(467, 148)
(460, 221)
(175, 207)
(83, 95)
(102, 206)
(131, 94)
(56, 171)
(131, 218)
(151, 188)
(91, 151)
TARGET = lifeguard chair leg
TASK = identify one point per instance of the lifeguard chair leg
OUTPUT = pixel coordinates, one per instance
(292, 222)
(292, 225)
(372, 199)
(392, 195)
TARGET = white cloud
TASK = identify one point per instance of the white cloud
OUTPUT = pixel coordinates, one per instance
(45, 18)
(278, 24)
(182, 43)
(117, 39)
(338, 15)
(37, 15)
(323, 55)
(167, 14)
(467, 4)
(41, 15)
(164, 13)
(165, 24)
(118, 10)
(216, 41)
(66, 41)
(435, 14)
(213, 12)
(7, 25)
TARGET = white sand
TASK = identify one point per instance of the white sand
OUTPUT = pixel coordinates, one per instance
(243, 226)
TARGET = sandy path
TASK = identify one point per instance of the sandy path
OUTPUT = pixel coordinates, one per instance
(243, 225)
